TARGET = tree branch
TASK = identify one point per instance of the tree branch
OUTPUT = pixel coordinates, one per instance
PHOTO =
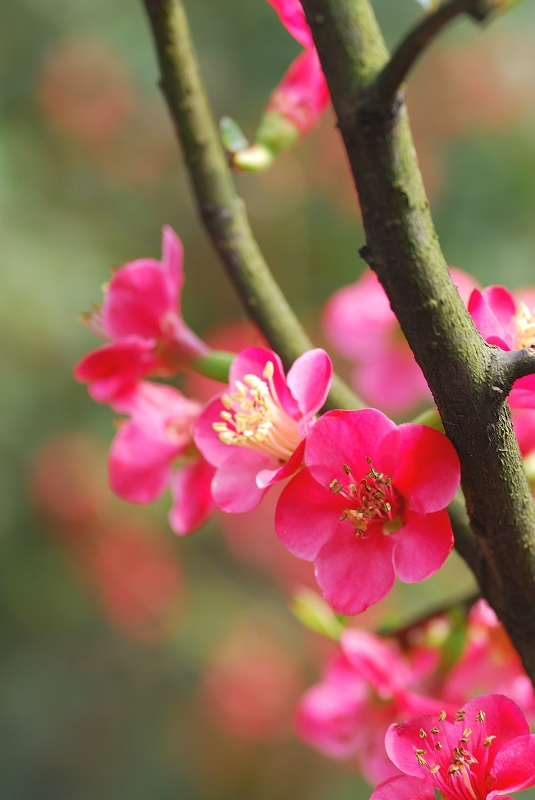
(460, 368)
(516, 364)
(221, 209)
(407, 53)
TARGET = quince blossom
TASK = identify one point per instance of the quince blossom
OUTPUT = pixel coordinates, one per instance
(154, 450)
(298, 101)
(489, 663)
(368, 685)
(140, 315)
(483, 752)
(510, 325)
(254, 432)
(370, 505)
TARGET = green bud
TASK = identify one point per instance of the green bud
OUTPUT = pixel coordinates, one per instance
(316, 614)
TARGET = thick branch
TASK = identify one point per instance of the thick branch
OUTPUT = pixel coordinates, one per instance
(220, 207)
(403, 59)
(462, 371)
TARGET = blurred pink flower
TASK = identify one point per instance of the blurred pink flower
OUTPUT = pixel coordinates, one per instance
(138, 581)
(486, 752)
(250, 685)
(368, 685)
(254, 432)
(489, 663)
(361, 326)
(141, 317)
(369, 505)
(510, 325)
(154, 450)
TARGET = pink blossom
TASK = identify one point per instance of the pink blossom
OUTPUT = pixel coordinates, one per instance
(154, 450)
(361, 326)
(489, 663)
(367, 685)
(369, 505)
(484, 751)
(510, 325)
(141, 318)
(298, 101)
(253, 432)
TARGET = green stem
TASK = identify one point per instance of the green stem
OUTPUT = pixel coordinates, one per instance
(220, 207)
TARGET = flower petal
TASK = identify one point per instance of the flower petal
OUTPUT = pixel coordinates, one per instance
(192, 496)
(428, 471)
(309, 380)
(422, 545)
(492, 310)
(355, 573)
(402, 787)
(113, 370)
(300, 99)
(140, 463)
(292, 17)
(514, 765)
(350, 437)
(306, 516)
(234, 486)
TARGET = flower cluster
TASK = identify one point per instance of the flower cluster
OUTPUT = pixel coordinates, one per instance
(363, 498)
(365, 495)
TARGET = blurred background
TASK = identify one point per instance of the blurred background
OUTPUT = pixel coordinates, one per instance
(133, 663)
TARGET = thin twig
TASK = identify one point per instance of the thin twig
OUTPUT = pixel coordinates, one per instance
(221, 209)
(407, 53)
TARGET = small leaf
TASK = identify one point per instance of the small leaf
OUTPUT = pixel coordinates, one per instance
(317, 615)
(232, 135)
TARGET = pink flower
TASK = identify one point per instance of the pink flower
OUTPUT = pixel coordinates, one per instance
(253, 433)
(154, 450)
(510, 325)
(369, 505)
(367, 685)
(485, 751)
(298, 101)
(489, 663)
(141, 317)
(361, 326)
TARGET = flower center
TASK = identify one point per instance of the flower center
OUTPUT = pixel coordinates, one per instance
(371, 500)
(524, 324)
(462, 776)
(254, 417)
